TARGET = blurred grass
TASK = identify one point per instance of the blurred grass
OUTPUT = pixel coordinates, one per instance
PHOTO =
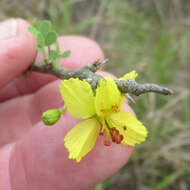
(151, 37)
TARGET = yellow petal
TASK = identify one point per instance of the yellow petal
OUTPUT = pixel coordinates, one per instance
(81, 139)
(108, 97)
(133, 131)
(78, 97)
(130, 75)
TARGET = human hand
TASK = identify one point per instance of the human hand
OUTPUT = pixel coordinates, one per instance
(33, 156)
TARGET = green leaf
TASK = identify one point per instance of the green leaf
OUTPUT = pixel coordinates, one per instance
(40, 39)
(66, 54)
(56, 44)
(53, 55)
(33, 30)
(41, 49)
(43, 27)
(50, 38)
(57, 64)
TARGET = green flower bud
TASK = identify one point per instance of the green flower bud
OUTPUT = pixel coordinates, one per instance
(51, 116)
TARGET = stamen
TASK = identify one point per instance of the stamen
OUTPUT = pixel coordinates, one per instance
(115, 108)
(101, 133)
(113, 131)
(107, 142)
(115, 136)
(103, 111)
(118, 138)
(113, 139)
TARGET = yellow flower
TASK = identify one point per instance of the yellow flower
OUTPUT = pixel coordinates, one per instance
(131, 75)
(103, 116)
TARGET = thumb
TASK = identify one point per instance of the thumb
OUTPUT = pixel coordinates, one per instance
(17, 49)
(40, 160)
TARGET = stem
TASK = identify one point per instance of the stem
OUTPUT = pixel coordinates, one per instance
(49, 50)
(88, 73)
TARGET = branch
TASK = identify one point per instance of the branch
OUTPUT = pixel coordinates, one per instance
(131, 86)
(88, 73)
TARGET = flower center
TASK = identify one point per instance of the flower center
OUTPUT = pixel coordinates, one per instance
(115, 108)
(111, 135)
(116, 137)
(103, 111)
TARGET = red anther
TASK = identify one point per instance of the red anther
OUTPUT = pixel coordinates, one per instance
(115, 108)
(113, 138)
(118, 138)
(107, 142)
(101, 133)
(103, 110)
(112, 131)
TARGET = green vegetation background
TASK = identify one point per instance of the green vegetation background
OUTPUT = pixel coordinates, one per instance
(152, 37)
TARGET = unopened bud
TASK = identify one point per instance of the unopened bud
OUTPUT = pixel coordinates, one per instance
(51, 116)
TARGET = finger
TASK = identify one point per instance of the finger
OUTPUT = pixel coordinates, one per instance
(17, 49)
(84, 51)
(52, 168)
(40, 159)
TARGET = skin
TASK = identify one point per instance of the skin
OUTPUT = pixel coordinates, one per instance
(33, 156)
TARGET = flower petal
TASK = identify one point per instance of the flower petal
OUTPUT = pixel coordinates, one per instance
(108, 97)
(78, 97)
(81, 139)
(133, 131)
(131, 75)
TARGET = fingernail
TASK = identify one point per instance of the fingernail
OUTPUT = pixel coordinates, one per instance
(8, 29)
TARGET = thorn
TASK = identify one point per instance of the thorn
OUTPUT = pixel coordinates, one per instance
(96, 65)
(130, 98)
(104, 61)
